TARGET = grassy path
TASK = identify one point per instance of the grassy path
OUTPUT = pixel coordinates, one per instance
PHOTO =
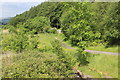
(90, 51)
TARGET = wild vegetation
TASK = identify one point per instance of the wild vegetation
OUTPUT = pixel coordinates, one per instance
(39, 52)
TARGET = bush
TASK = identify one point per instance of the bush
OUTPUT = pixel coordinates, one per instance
(14, 42)
(82, 57)
(35, 65)
(19, 42)
(52, 30)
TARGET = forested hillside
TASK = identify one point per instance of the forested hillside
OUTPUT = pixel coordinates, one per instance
(35, 40)
(80, 22)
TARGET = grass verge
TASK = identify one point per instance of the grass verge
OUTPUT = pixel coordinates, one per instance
(101, 66)
(113, 49)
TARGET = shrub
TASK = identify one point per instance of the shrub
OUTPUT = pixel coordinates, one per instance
(19, 42)
(35, 65)
(14, 42)
(82, 57)
(52, 30)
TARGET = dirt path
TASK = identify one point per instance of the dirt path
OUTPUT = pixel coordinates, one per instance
(91, 51)
(101, 52)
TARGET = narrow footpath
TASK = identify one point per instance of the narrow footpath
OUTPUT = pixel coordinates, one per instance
(92, 51)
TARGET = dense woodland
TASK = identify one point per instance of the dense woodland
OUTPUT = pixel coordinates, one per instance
(82, 24)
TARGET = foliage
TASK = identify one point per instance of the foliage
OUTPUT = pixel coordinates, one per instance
(14, 42)
(46, 9)
(35, 25)
(79, 21)
(52, 30)
(75, 23)
(105, 21)
(82, 57)
(83, 24)
(35, 65)
(19, 42)
(69, 60)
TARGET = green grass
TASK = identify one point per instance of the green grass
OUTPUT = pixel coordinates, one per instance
(100, 62)
(45, 39)
(103, 48)
(101, 65)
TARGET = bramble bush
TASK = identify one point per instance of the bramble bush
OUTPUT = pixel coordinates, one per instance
(36, 65)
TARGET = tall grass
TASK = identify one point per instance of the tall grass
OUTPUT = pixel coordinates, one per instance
(102, 65)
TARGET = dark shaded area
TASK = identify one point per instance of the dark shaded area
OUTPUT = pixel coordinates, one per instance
(113, 42)
(55, 23)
